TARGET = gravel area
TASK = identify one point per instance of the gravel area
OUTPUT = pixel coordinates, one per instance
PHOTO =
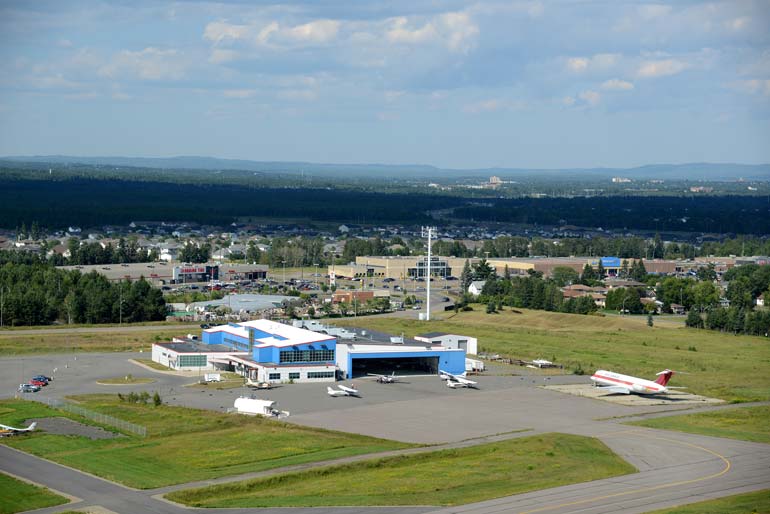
(65, 426)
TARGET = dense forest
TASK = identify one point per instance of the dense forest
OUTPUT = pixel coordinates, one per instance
(92, 200)
(36, 293)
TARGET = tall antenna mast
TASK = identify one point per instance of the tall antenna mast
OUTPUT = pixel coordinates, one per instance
(428, 232)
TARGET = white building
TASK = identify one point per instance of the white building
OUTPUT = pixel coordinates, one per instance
(476, 287)
(467, 343)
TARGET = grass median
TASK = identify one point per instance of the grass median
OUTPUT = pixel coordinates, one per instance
(183, 444)
(444, 477)
(20, 343)
(19, 496)
(744, 423)
(733, 368)
(748, 503)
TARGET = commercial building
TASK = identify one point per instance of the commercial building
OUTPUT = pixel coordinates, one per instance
(400, 268)
(466, 343)
(267, 351)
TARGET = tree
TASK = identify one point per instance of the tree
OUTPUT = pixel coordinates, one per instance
(694, 319)
(466, 277)
(564, 276)
(638, 271)
(483, 271)
(588, 277)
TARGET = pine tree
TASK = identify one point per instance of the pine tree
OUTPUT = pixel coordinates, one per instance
(467, 276)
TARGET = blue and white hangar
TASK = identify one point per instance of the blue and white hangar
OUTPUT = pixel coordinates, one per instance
(268, 351)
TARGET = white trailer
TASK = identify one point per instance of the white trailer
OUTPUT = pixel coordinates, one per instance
(257, 407)
(473, 365)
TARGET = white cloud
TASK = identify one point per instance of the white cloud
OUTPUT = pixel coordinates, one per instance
(598, 62)
(738, 24)
(456, 30)
(568, 101)
(590, 97)
(148, 64)
(219, 31)
(319, 31)
(577, 64)
(661, 68)
(617, 85)
(239, 93)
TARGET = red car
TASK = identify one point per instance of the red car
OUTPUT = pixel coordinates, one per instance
(39, 383)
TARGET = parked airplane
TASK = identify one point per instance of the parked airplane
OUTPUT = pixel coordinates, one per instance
(385, 379)
(5, 430)
(342, 391)
(258, 385)
(455, 381)
(624, 384)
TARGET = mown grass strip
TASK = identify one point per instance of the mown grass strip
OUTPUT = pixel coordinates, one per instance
(444, 477)
(19, 496)
(183, 444)
(748, 503)
(744, 423)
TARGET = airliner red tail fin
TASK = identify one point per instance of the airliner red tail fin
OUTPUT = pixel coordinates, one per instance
(664, 376)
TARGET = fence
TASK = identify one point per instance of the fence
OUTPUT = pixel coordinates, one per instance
(104, 419)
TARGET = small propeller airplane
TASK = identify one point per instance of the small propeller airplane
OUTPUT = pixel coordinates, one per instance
(455, 381)
(385, 379)
(5, 430)
(625, 384)
(342, 391)
(258, 385)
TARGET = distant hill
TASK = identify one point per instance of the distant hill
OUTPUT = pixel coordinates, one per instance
(689, 171)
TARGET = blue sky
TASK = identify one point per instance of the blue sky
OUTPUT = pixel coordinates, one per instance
(572, 83)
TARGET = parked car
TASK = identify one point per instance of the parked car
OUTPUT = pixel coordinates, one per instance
(42, 377)
(39, 383)
(28, 388)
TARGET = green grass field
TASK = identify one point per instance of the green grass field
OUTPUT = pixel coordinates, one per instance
(126, 380)
(744, 423)
(445, 477)
(748, 503)
(18, 343)
(725, 366)
(18, 496)
(183, 444)
(154, 365)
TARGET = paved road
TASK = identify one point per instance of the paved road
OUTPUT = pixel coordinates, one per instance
(673, 468)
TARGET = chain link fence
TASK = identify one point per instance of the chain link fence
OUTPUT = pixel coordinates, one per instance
(104, 419)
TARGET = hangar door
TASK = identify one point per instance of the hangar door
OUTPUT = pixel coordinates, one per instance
(400, 365)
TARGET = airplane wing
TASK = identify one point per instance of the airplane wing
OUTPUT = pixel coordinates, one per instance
(615, 389)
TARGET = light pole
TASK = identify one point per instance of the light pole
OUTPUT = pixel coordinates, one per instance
(120, 302)
(284, 273)
(316, 275)
(429, 232)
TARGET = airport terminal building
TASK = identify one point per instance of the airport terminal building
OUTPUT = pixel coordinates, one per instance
(268, 351)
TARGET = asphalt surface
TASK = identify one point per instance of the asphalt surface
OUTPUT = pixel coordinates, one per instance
(674, 468)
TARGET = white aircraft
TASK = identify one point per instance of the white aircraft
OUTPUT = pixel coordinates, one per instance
(258, 385)
(624, 384)
(455, 381)
(385, 379)
(342, 391)
(5, 430)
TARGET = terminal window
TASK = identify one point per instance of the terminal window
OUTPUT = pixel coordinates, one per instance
(320, 374)
(294, 376)
(307, 356)
(192, 360)
(274, 376)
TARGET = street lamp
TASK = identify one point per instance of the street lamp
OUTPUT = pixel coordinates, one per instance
(284, 273)
(2, 304)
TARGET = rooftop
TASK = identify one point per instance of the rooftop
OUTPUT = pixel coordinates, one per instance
(277, 334)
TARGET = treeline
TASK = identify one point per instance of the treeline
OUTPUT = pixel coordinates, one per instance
(36, 293)
(56, 202)
(716, 214)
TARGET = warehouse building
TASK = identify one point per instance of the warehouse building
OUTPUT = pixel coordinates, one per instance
(466, 343)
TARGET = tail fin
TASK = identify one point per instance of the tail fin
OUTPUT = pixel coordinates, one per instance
(664, 376)
(32, 426)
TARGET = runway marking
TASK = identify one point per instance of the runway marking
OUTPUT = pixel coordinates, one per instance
(724, 459)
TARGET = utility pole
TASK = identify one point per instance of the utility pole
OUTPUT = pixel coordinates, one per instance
(2, 304)
(429, 233)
